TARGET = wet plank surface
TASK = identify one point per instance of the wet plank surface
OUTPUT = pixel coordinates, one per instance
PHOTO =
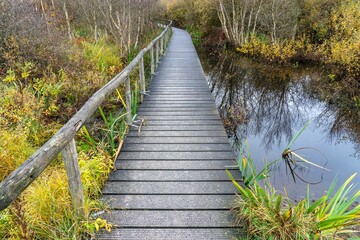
(170, 181)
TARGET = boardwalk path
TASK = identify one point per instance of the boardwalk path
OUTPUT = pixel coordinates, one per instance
(171, 181)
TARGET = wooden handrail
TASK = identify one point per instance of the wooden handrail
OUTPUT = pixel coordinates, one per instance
(63, 141)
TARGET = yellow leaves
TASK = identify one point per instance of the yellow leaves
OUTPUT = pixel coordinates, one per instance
(287, 215)
(25, 74)
(17, 108)
(244, 162)
(10, 76)
(102, 223)
(280, 52)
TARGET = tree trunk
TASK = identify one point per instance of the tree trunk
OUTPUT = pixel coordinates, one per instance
(67, 20)
(256, 18)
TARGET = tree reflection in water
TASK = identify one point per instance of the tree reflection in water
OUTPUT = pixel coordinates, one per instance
(272, 103)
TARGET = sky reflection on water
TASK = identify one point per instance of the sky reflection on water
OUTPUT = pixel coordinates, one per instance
(268, 105)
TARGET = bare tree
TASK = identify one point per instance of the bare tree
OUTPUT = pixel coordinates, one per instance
(239, 18)
(279, 18)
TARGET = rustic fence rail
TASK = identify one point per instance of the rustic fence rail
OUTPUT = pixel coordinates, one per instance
(63, 141)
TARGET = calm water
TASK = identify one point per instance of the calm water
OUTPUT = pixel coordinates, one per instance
(266, 106)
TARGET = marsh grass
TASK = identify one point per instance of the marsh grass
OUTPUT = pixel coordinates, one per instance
(103, 55)
(248, 170)
(268, 214)
(46, 205)
(294, 160)
(12, 155)
(114, 131)
(333, 212)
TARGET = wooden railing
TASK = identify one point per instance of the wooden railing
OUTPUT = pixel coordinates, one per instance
(63, 141)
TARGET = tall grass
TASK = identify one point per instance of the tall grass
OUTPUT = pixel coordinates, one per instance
(268, 214)
(248, 170)
(103, 55)
(12, 155)
(115, 129)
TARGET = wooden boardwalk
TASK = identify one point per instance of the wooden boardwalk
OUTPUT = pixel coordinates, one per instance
(171, 181)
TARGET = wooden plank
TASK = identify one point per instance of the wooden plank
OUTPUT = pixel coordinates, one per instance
(170, 233)
(173, 88)
(176, 109)
(167, 219)
(173, 175)
(169, 202)
(178, 84)
(176, 147)
(188, 128)
(176, 101)
(177, 155)
(181, 90)
(179, 94)
(199, 113)
(175, 132)
(185, 128)
(184, 122)
(177, 118)
(169, 188)
(178, 140)
(175, 165)
(179, 110)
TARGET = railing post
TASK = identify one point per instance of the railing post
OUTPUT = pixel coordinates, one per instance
(152, 60)
(162, 45)
(142, 80)
(166, 38)
(169, 34)
(74, 178)
(128, 101)
(157, 53)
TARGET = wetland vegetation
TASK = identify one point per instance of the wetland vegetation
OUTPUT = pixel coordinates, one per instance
(273, 65)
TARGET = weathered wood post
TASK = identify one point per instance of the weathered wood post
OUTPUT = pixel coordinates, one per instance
(142, 79)
(169, 34)
(157, 53)
(152, 60)
(128, 101)
(74, 177)
(166, 38)
(162, 45)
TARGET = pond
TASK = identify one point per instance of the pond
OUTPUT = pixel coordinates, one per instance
(263, 107)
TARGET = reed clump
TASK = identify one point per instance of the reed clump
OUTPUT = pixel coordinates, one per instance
(267, 214)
